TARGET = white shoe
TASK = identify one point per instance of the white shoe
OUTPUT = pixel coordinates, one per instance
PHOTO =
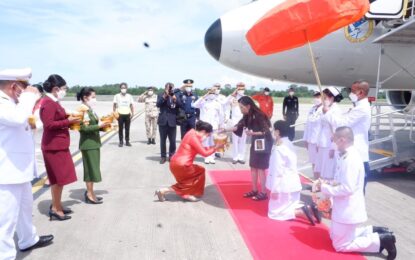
(212, 161)
(207, 161)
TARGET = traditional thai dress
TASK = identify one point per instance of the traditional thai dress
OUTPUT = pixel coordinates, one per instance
(190, 177)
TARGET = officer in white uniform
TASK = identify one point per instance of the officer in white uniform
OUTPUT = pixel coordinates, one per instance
(326, 149)
(358, 118)
(17, 164)
(149, 98)
(210, 111)
(238, 143)
(312, 130)
(349, 210)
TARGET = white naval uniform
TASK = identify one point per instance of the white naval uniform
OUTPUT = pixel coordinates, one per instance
(17, 169)
(238, 143)
(211, 111)
(312, 131)
(284, 180)
(358, 119)
(349, 210)
(326, 165)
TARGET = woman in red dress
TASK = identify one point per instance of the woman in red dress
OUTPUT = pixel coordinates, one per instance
(190, 177)
(55, 143)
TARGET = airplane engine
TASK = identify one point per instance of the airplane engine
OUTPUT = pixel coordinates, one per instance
(401, 99)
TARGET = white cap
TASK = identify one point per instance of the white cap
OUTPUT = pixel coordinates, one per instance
(334, 91)
(16, 74)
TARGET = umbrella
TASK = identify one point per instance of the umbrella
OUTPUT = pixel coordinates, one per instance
(294, 23)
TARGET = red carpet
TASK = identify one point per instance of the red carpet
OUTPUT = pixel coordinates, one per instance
(271, 239)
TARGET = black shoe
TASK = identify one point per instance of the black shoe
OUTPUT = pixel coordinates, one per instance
(234, 161)
(65, 211)
(149, 141)
(308, 214)
(163, 160)
(43, 241)
(218, 155)
(241, 161)
(316, 213)
(128, 144)
(99, 198)
(387, 241)
(153, 141)
(380, 230)
(120, 145)
(89, 201)
(53, 214)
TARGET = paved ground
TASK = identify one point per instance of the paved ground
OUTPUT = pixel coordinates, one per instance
(131, 224)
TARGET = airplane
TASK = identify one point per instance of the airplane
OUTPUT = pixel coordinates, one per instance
(379, 48)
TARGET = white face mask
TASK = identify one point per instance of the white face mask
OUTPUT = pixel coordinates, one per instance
(241, 92)
(266, 93)
(61, 94)
(353, 97)
(150, 93)
(188, 89)
(92, 102)
(211, 96)
(291, 93)
(217, 92)
(123, 90)
(317, 101)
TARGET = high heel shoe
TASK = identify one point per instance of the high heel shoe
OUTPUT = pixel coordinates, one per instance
(89, 201)
(53, 214)
(307, 213)
(160, 195)
(65, 211)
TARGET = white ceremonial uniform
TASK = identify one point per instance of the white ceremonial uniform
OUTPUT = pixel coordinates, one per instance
(152, 113)
(312, 131)
(349, 210)
(225, 107)
(17, 169)
(211, 112)
(238, 143)
(283, 179)
(326, 165)
(358, 119)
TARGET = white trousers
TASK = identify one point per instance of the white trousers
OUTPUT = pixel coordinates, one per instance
(16, 202)
(324, 164)
(209, 142)
(238, 147)
(284, 207)
(352, 238)
(312, 153)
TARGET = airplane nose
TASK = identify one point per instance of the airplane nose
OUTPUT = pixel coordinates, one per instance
(213, 39)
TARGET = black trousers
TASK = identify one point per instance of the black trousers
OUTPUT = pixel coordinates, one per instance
(124, 121)
(170, 132)
(188, 124)
(291, 118)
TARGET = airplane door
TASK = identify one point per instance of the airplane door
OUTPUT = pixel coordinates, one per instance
(387, 9)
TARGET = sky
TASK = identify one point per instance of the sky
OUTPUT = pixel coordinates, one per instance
(97, 42)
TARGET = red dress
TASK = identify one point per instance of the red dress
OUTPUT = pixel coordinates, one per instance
(190, 177)
(266, 104)
(55, 143)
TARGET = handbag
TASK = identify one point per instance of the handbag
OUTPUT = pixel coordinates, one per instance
(262, 145)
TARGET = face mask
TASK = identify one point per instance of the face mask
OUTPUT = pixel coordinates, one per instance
(211, 96)
(217, 92)
(291, 93)
(123, 90)
(353, 97)
(92, 102)
(317, 101)
(150, 93)
(61, 94)
(241, 92)
(266, 93)
(326, 103)
(188, 89)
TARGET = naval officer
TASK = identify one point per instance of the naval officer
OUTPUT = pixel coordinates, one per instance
(188, 98)
(358, 118)
(17, 164)
(349, 210)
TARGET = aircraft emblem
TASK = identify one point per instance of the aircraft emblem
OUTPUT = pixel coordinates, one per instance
(359, 31)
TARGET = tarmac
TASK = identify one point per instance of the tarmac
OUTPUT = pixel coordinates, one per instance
(133, 224)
